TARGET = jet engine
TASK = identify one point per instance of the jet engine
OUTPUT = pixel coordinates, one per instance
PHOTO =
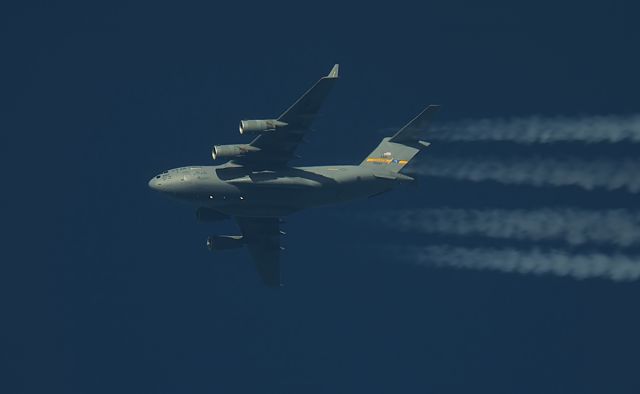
(222, 242)
(260, 126)
(209, 215)
(232, 151)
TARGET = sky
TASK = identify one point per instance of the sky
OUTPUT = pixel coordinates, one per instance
(108, 286)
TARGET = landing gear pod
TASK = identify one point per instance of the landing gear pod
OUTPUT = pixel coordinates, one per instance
(223, 242)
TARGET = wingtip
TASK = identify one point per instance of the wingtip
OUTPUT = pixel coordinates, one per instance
(334, 71)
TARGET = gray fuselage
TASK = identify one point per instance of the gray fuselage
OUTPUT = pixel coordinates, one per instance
(237, 191)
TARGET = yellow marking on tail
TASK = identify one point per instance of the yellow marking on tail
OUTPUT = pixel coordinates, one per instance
(378, 160)
(386, 161)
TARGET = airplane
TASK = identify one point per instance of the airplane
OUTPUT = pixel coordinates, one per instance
(258, 187)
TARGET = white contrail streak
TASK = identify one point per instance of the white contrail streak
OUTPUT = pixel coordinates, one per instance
(537, 129)
(537, 171)
(618, 227)
(582, 266)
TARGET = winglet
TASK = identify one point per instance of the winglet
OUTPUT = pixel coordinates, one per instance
(334, 72)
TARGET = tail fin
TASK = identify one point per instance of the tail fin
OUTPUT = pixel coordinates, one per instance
(395, 152)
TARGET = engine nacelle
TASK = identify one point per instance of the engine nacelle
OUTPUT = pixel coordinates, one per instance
(209, 215)
(223, 242)
(260, 126)
(232, 151)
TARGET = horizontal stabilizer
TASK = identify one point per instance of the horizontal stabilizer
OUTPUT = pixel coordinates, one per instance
(413, 130)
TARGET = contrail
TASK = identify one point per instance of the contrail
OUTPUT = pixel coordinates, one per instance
(538, 171)
(537, 129)
(618, 227)
(580, 266)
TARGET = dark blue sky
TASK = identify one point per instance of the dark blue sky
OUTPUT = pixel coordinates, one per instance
(109, 287)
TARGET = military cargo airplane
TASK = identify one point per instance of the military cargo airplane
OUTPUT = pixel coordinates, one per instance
(258, 187)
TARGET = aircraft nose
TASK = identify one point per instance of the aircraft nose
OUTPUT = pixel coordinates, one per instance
(154, 184)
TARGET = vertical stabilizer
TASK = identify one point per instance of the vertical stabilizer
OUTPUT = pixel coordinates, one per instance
(395, 152)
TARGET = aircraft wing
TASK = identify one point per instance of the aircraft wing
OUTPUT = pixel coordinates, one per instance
(278, 147)
(262, 238)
